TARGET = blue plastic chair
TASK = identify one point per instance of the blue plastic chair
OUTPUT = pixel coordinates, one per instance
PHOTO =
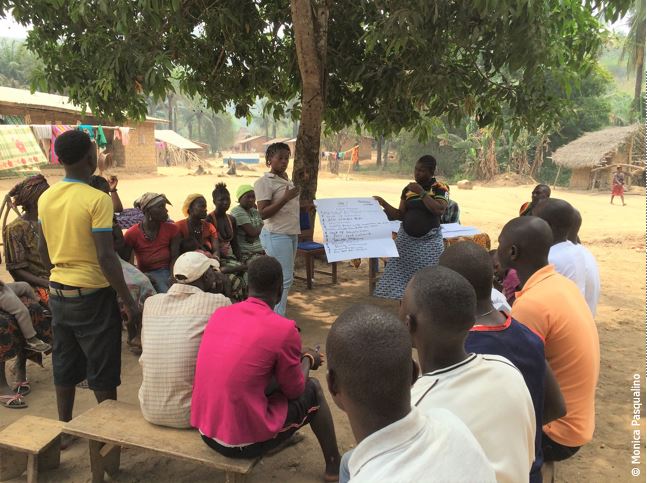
(309, 249)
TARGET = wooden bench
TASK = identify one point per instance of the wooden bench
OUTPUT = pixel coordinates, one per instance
(31, 443)
(113, 425)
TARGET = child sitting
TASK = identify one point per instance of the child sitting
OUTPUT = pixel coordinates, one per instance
(10, 294)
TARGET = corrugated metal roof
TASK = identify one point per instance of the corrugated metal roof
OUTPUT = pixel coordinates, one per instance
(276, 140)
(249, 139)
(42, 100)
(171, 137)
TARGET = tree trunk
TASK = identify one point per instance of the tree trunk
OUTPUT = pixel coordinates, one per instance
(639, 82)
(385, 155)
(170, 111)
(274, 130)
(487, 167)
(190, 129)
(538, 160)
(378, 161)
(310, 24)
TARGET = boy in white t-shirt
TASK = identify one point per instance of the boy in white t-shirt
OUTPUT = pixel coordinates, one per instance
(566, 257)
(591, 271)
(369, 378)
(487, 392)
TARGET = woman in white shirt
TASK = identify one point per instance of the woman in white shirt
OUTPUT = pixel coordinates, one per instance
(278, 204)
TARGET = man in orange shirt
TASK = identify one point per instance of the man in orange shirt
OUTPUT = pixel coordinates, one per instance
(551, 305)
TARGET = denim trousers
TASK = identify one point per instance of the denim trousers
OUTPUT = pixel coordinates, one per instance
(284, 249)
(160, 278)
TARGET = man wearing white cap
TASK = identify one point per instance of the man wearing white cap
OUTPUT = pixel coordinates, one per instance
(172, 327)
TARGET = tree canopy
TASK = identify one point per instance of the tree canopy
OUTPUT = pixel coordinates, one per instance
(385, 64)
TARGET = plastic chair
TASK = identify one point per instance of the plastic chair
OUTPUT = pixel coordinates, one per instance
(309, 249)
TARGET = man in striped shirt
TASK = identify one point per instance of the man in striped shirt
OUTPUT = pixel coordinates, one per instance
(172, 328)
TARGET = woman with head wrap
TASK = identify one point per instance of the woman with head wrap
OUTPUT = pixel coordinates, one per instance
(249, 224)
(21, 236)
(23, 261)
(155, 241)
(230, 255)
(196, 228)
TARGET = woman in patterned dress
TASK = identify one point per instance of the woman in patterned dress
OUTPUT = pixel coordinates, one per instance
(249, 223)
(419, 241)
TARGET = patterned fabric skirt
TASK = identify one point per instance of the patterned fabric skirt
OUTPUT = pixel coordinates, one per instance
(12, 341)
(238, 280)
(129, 217)
(247, 258)
(415, 253)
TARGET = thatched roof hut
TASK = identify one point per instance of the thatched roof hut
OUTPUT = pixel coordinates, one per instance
(592, 156)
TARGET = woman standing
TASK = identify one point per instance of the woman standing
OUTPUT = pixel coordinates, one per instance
(419, 241)
(21, 236)
(156, 241)
(196, 228)
(249, 223)
(230, 256)
(278, 205)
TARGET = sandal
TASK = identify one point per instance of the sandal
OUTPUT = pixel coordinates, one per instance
(22, 388)
(83, 384)
(12, 402)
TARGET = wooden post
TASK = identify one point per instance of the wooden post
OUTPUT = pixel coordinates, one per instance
(32, 468)
(559, 170)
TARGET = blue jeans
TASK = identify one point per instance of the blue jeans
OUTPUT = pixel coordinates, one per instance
(284, 249)
(344, 470)
(160, 279)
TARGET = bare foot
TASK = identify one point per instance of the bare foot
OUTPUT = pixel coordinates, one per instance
(332, 471)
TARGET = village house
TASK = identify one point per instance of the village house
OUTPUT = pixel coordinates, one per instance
(137, 154)
(593, 157)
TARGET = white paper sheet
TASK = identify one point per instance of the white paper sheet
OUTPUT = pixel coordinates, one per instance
(354, 228)
(451, 230)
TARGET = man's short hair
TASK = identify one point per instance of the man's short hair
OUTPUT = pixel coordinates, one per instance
(544, 187)
(558, 214)
(446, 296)
(474, 263)
(369, 354)
(72, 146)
(264, 274)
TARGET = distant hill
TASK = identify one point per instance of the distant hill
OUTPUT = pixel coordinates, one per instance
(617, 67)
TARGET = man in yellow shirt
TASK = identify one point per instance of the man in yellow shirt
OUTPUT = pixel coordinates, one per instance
(86, 277)
(552, 306)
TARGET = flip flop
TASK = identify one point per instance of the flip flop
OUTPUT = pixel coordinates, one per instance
(13, 402)
(22, 388)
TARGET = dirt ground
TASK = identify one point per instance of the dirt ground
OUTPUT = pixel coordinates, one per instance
(614, 234)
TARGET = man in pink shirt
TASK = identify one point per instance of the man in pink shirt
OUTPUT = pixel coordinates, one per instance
(251, 391)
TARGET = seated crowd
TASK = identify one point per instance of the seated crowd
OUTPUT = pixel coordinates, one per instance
(493, 394)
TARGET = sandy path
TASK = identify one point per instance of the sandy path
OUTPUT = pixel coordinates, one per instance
(614, 234)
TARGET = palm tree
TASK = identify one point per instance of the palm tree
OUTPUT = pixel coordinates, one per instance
(634, 48)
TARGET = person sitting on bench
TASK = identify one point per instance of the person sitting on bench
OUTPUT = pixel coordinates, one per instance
(252, 391)
(396, 442)
(172, 326)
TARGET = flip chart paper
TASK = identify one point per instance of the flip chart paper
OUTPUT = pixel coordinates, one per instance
(354, 228)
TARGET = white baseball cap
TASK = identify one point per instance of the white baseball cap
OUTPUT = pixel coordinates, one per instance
(190, 266)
